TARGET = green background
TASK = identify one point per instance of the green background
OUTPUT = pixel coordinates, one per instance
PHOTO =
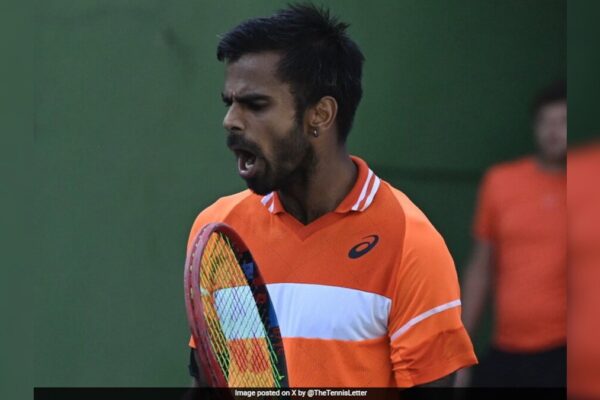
(583, 71)
(129, 144)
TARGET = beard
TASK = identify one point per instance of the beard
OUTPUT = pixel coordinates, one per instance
(552, 152)
(292, 162)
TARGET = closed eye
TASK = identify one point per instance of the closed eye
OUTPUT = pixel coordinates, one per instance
(252, 101)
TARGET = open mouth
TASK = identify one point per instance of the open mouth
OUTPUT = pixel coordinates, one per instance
(246, 162)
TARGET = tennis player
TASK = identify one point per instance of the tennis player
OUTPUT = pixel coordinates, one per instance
(520, 255)
(365, 290)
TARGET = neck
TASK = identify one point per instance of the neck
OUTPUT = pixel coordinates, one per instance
(548, 165)
(324, 189)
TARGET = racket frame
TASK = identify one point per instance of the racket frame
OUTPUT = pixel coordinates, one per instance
(195, 309)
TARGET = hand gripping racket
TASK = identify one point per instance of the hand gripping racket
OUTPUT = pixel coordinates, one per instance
(232, 320)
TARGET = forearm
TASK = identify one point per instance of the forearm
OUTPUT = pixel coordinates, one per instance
(476, 286)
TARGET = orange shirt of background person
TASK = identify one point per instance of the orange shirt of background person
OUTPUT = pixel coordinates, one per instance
(522, 212)
(583, 199)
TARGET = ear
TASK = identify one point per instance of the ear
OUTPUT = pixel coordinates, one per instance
(322, 115)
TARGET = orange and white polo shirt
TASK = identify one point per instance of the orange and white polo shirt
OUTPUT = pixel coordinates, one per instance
(366, 295)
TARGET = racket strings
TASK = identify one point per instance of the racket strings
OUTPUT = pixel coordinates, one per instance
(252, 350)
(217, 337)
(245, 327)
(237, 335)
(252, 327)
(230, 303)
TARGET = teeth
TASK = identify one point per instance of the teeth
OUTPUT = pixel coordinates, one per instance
(249, 164)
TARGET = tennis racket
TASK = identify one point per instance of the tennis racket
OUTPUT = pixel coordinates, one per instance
(230, 314)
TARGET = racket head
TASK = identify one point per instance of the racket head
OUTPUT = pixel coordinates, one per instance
(230, 314)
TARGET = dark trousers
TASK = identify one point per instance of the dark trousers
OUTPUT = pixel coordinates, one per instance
(505, 369)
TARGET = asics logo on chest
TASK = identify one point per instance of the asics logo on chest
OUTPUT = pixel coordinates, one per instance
(363, 248)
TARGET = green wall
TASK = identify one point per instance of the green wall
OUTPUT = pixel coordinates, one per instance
(130, 148)
(583, 73)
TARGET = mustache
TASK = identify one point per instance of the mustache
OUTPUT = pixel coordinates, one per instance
(239, 142)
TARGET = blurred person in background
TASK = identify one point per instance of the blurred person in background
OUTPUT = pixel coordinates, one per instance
(583, 207)
(520, 258)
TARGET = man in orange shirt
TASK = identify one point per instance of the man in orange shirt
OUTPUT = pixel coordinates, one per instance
(520, 256)
(365, 290)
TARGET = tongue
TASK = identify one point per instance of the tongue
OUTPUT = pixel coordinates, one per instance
(246, 165)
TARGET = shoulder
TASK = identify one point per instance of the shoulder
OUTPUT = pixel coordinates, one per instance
(423, 258)
(223, 208)
(411, 223)
(508, 170)
(220, 209)
(584, 157)
(401, 204)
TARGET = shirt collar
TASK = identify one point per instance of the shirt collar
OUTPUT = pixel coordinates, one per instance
(358, 199)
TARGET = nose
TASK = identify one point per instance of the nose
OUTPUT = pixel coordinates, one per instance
(233, 120)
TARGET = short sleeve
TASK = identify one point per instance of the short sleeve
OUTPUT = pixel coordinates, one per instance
(427, 338)
(484, 221)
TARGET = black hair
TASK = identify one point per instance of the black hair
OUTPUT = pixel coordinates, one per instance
(318, 58)
(553, 93)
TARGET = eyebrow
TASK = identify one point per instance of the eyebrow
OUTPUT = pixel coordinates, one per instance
(246, 98)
